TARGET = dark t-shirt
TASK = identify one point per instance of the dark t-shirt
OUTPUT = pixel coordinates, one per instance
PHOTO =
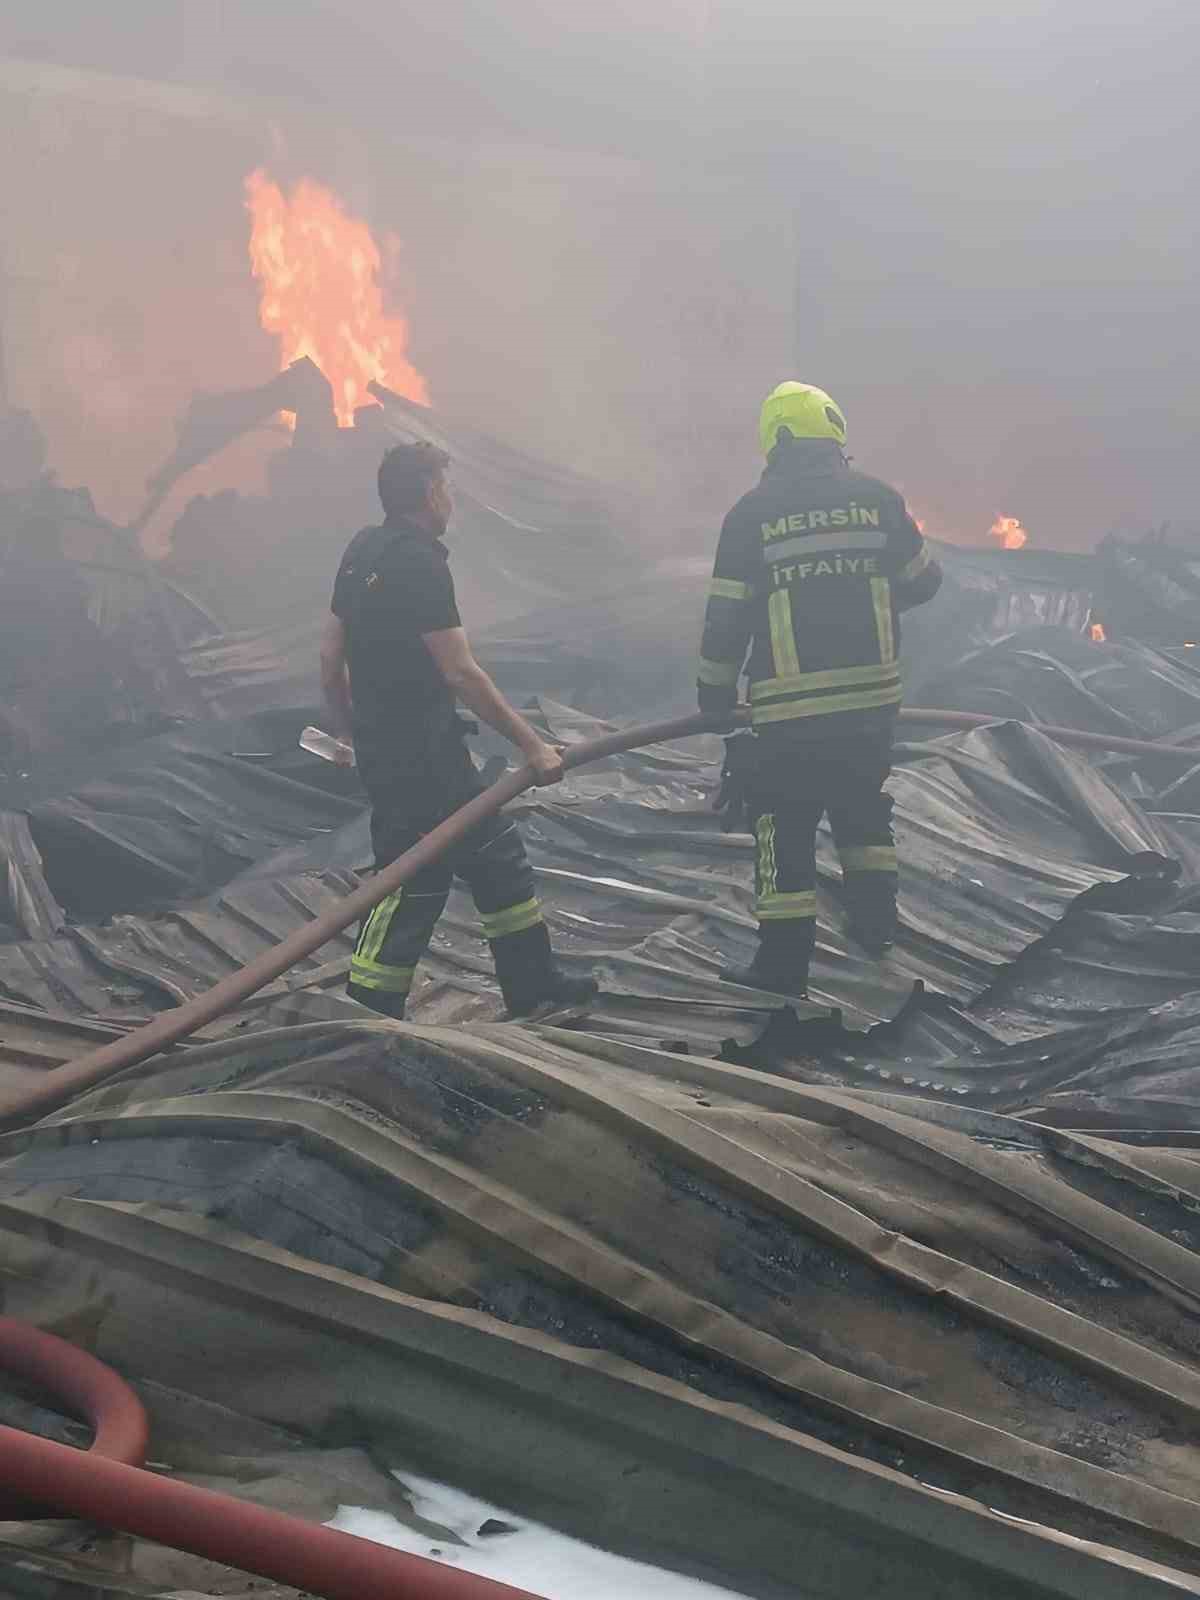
(394, 585)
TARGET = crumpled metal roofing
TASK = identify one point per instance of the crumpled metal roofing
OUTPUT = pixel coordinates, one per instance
(640, 884)
(1127, 688)
(1007, 840)
(612, 648)
(836, 1250)
(954, 1300)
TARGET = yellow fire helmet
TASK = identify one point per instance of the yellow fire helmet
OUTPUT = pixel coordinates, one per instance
(806, 412)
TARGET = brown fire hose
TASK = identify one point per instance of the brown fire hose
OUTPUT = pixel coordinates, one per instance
(166, 1029)
(1078, 738)
(60, 1083)
(106, 1484)
(108, 1487)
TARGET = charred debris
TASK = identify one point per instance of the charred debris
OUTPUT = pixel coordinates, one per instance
(929, 1240)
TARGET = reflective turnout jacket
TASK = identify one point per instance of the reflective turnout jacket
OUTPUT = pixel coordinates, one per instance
(813, 570)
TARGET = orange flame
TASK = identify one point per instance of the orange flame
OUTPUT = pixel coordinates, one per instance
(318, 270)
(1096, 633)
(1009, 532)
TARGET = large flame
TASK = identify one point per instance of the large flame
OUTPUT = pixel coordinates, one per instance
(319, 274)
(1009, 532)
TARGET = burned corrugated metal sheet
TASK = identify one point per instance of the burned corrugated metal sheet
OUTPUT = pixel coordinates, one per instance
(952, 1298)
(168, 818)
(879, 1289)
(29, 908)
(1057, 677)
(615, 649)
(1002, 834)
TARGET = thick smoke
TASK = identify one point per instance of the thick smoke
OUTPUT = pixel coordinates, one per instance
(619, 225)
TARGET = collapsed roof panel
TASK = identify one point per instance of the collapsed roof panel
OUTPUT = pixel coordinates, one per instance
(641, 885)
(924, 1291)
(930, 1271)
(167, 818)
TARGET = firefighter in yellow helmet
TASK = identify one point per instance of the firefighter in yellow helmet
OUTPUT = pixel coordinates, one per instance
(813, 569)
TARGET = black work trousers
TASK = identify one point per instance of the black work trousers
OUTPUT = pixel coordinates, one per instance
(796, 782)
(493, 864)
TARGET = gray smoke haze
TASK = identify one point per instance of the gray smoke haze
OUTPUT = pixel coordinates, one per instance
(621, 224)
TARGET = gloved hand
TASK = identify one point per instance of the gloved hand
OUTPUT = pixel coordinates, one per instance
(718, 702)
(737, 775)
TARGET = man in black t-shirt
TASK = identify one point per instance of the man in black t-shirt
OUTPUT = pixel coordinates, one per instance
(394, 660)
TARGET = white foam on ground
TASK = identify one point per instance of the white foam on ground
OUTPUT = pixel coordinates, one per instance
(533, 1557)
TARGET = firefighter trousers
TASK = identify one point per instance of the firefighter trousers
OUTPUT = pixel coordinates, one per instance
(795, 784)
(493, 864)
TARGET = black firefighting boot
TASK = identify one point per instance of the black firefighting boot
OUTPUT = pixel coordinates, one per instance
(782, 960)
(387, 1005)
(530, 980)
(876, 941)
(870, 899)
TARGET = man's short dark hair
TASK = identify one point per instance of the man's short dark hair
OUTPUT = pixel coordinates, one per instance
(405, 474)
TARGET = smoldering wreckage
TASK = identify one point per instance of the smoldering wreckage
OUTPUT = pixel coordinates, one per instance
(917, 1309)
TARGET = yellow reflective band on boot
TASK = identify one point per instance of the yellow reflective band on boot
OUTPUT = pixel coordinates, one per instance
(881, 599)
(786, 907)
(515, 919)
(718, 674)
(375, 929)
(869, 858)
(729, 589)
(764, 831)
(783, 638)
(367, 974)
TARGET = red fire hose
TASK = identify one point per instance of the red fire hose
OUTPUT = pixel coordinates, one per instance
(107, 1486)
(84, 1387)
(310, 1557)
(61, 1083)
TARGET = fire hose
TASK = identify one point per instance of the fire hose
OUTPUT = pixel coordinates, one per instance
(61, 1083)
(108, 1486)
(84, 1387)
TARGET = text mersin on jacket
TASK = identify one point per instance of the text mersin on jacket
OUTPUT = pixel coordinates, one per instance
(813, 569)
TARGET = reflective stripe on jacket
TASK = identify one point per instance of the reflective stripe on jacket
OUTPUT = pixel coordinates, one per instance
(813, 569)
